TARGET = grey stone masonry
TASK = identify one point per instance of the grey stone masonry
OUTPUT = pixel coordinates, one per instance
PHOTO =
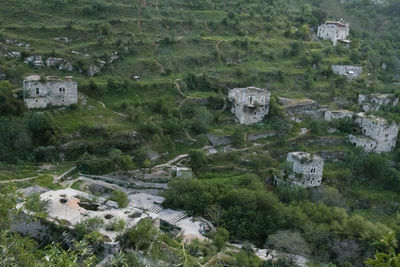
(374, 102)
(334, 31)
(383, 134)
(307, 169)
(338, 114)
(49, 91)
(303, 107)
(350, 72)
(250, 105)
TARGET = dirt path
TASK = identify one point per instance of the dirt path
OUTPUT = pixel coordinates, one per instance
(178, 87)
(118, 113)
(158, 64)
(18, 180)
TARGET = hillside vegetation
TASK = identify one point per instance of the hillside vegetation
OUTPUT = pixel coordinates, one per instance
(188, 54)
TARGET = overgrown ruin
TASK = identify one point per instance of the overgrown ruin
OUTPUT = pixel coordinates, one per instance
(49, 91)
(250, 105)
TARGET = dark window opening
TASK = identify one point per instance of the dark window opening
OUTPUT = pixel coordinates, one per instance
(37, 91)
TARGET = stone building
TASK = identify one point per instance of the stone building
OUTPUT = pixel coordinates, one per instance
(307, 169)
(379, 135)
(334, 31)
(250, 105)
(50, 91)
(350, 72)
(338, 114)
(374, 102)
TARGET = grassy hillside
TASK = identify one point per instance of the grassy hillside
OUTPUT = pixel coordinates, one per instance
(188, 53)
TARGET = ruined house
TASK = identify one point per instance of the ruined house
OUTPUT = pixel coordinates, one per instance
(378, 135)
(307, 169)
(302, 107)
(334, 31)
(374, 102)
(50, 91)
(338, 114)
(250, 105)
(350, 72)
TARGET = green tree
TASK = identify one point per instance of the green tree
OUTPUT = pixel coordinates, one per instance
(388, 257)
(140, 236)
(198, 159)
(36, 206)
(120, 197)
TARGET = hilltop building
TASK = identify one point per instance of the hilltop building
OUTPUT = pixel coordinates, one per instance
(50, 91)
(373, 102)
(307, 169)
(379, 135)
(334, 31)
(250, 105)
(350, 72)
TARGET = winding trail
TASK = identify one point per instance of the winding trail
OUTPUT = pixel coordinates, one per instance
(118, 113)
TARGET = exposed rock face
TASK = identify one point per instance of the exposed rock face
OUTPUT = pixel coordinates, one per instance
(250, 105)
(302, 107)
(2, 76)
(379, 134)
(374, 102)
(307, 168)
(334, 31)
(338, 114)
(50, 92)
(351, 72)
(93, 70)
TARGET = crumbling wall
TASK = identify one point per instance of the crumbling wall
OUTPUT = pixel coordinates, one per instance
(351, 72)
(380, 130)
(41, 94)
(374, 102)
(333, 31)
(302, 107)
(308, 169)
(338, 114)
(250, 105)
(368, 144)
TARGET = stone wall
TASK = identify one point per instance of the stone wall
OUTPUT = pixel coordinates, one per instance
(217, 140)
(368, 144)
(338, 114)
(50, 92)
(302, 107)
(333, 31)
(374, 102)
(250, 105)
(351, 72)
(308, 169)
(380, 130)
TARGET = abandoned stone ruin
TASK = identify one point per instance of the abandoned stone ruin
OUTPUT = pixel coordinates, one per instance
(250, 105)
(378, 135)
(350, 72)
(338, 114)
(50, 91)
(334, 31)
(307, 169)
(374, 102)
